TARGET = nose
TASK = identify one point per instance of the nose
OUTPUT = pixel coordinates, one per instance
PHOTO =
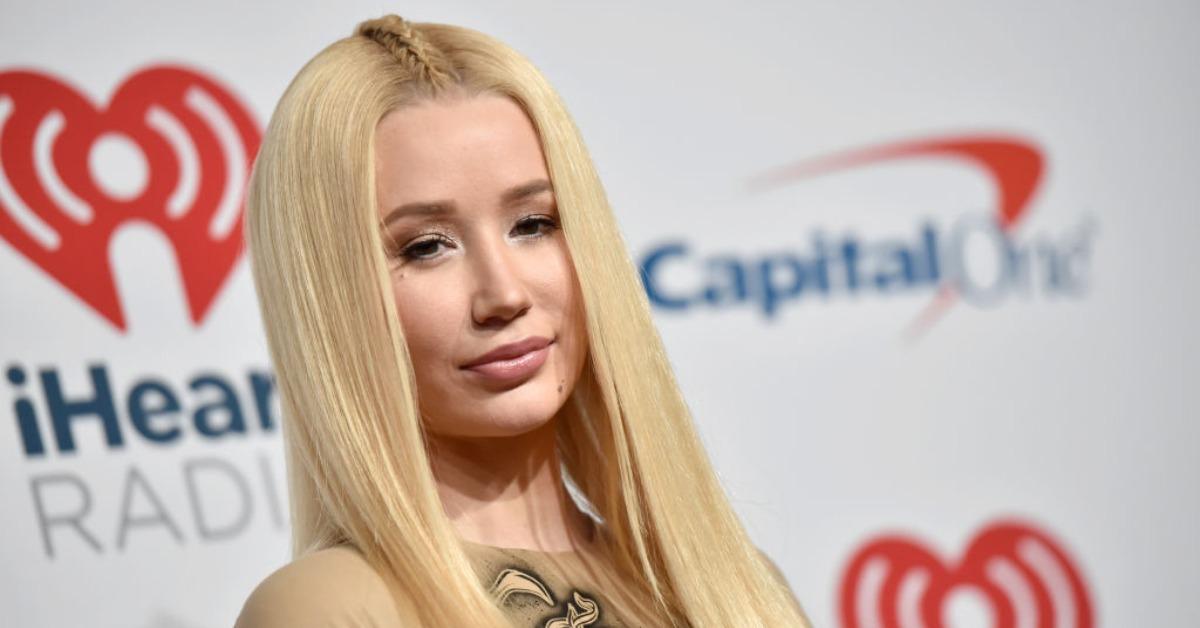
(501, 293)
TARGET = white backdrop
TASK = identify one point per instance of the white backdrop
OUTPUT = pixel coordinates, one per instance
(911, 400)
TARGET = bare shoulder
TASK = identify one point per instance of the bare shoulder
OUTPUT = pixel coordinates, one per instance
(330, 588)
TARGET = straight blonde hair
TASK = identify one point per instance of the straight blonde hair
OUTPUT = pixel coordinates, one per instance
(358, 468)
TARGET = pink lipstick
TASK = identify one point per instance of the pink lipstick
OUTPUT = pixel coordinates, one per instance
(512, 362)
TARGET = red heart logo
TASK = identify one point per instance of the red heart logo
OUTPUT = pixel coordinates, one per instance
(1023, 575)
(197, 143)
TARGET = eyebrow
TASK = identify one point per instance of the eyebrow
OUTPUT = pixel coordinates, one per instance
(510, 196)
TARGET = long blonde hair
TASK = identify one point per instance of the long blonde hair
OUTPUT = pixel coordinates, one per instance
(358, 469)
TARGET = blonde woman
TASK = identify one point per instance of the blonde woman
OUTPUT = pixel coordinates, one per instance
(481, 425)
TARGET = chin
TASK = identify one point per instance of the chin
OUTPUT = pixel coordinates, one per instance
(515, 412)
(496, 427)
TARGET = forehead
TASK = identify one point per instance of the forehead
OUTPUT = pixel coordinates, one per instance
(455, 148)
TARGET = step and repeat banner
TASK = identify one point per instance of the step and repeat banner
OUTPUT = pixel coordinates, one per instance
(926, 272)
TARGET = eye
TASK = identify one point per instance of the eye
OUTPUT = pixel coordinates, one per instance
(532, 226)
(422, 249)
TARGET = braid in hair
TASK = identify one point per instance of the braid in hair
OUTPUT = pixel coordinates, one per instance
(410, 48)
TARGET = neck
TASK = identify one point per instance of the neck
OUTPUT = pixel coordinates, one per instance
(508, 491)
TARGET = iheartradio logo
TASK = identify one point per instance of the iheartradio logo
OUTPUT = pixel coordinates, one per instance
(1020, 576)
(173, 148)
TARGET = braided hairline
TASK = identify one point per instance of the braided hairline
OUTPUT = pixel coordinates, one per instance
(408, 46)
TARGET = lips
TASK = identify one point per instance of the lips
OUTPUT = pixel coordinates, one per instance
(510, 365)
(510, 351)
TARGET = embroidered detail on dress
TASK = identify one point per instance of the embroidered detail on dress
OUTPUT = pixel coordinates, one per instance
(513, 581)
(581, 610)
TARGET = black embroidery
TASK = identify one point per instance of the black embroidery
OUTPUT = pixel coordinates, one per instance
(518, 588)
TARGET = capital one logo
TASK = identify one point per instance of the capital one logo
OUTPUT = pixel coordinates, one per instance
(936, 257)
(1024, 578)
(1013, 165)
(187, 145)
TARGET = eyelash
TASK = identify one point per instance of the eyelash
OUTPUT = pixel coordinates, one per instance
(406, 253)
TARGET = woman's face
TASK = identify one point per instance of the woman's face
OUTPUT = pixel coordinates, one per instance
(478, 262)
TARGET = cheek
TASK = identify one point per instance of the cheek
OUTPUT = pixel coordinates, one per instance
(426, 316)
(551, 277)
(568, 300)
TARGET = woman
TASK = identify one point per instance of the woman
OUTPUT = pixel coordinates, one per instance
(482, 427)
